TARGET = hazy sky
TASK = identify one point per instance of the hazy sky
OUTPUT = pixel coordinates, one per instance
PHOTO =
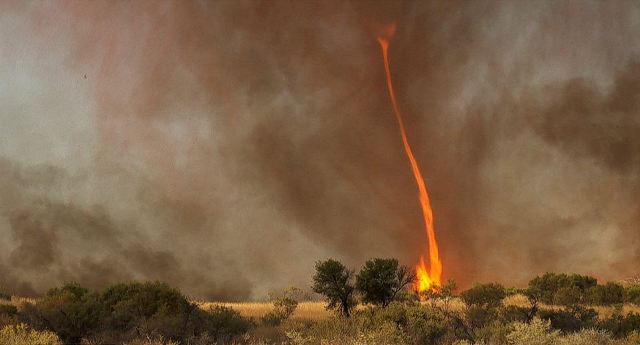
(225, 146)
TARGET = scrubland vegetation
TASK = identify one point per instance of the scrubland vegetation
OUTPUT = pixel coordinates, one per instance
(375, 306)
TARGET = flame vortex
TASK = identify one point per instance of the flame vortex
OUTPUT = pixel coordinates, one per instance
(433, 277)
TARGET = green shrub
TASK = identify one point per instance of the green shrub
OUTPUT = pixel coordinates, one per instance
(23, 335)
(124, 312)
(493, 333)
(632, 294)
(485, 295)
(421, 324)
(397, 324)
(10, 310)
(512, 313)
(569, 295)
(574, 287)
(571, 319)
(72, 312)
(607, 294)
(425, 325)
(368, 327)
(154, 308)
(479, 316)
(537, 332)
(588, 337)
(223, 323)
(283, 307)
(621, 325)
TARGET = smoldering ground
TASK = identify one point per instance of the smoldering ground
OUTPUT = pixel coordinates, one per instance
(225, 146)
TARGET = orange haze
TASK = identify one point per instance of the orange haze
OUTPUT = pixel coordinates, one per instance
(433, 277)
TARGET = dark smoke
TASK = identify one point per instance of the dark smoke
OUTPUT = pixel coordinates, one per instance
(226, 146)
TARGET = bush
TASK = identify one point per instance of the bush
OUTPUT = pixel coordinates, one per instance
(485, 295)
(70, 311)
(397, 324)
(22, 335)
(346, 331)
(610, 293)
(283, 307)
(587, 337)
(538, 335)
(124, 312)
(512, 313)
(569, 295)
(8, 310)
(571, 319)
(570, 288)
(632, 294)
(154, 308)
(621, 325)
(538, 332)
(479, 316)
(223, 324)
(493, 333)
(420, 324)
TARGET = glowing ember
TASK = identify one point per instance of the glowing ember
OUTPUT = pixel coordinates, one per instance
(426, 279)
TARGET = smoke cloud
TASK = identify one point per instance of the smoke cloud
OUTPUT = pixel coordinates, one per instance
(224, 147)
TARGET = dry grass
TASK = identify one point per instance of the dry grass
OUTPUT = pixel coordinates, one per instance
(304, 311)
(17, 301)
(452, 304)
(517, 300)
(317, 311)
(604, 312)
(308, 310)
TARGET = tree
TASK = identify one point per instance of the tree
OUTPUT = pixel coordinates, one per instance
(380, 280)
(335, 282)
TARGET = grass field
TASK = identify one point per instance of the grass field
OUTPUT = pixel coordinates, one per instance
(317, 310)
(305, 310)
(313, 324)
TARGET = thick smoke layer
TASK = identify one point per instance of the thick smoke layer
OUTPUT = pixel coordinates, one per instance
(224, 147)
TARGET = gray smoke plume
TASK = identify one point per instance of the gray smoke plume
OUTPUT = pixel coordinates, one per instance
(224, 147)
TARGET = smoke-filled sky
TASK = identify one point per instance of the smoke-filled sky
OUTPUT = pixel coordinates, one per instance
(226, 146)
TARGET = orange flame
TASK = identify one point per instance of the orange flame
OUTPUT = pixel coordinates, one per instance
(432, 278)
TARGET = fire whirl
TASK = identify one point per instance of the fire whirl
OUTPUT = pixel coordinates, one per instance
(431, 277)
